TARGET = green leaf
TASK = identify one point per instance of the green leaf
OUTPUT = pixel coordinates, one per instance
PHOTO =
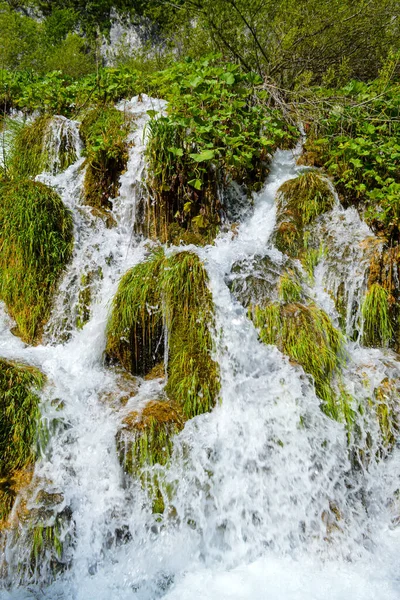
(196, 183)
(229, 78)
(203, 156)
(176, 151)
(152, 113)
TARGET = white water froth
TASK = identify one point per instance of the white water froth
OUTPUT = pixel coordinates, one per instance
(253, 483)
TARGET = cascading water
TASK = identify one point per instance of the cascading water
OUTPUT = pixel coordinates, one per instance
(255, 487)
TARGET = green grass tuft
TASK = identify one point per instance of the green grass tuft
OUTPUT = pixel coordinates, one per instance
(36, 242)
(289, 290)
(19, 417)
(307, 336)
(167, 294)
(299, 202)
(377, 328)
(104, 131)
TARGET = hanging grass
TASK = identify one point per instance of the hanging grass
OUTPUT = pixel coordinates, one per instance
(36, 243)
(377, 328)
(299, 202)
(19, 412)
(104, 132)
(28, 157)
(289, 289)
(167, 294)
(192, 374)
(145, 438)
(307, 336)
(135, 330)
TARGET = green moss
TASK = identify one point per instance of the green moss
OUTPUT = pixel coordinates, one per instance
(104, 131)
(27, 153)
(289, 290)
(377, 328)
(307, 336)
(145, 438)
(36, 243)
(135, 335)
(299, 202)
(192, 374)
(167, 294)
(19, 416)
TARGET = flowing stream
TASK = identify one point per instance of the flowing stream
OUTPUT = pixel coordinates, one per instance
(256, 483)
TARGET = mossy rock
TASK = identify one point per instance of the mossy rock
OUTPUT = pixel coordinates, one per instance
(308, 337)
(299, 202)
(136, 328)
(36, 243)
(19, 411)
(145, 438)
(104, 131)
(260, 280)
(33, 144)
(167, 295)
(381, 308)
(377, 327)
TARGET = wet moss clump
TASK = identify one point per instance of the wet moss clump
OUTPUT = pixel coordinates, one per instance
(167, 295)
(192, 374)
(33, 146)
(19, 412)
(145, 438)
(36, 243)
(136, 328)
(104, 132)
(27, 153)
(307, 336)
(300, 201)
(377, 328)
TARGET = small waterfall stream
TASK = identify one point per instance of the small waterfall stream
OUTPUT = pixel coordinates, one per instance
(256, 483)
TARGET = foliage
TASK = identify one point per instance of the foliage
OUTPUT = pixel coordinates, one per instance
(356, 139)
(286, 40)
(306, 335)
(36, 242)
(217, 128)
(104, 131)
(377, 328)
(167, 294)
(289, 289)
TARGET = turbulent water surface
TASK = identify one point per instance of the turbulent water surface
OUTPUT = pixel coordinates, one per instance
(253, 482)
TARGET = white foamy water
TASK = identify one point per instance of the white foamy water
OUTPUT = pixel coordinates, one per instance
(254, 488)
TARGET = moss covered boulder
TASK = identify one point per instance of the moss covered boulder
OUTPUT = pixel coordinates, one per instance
(36, 243)
(104, 131)
(300, 201)
(166, 301)
(46, 144)
(381, 306)
(19, 415)
(308, 337)
(145, 437)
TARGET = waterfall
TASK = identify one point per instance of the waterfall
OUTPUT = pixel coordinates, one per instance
(263, 500)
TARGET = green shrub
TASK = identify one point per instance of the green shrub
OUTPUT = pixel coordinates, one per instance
(377, 328)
